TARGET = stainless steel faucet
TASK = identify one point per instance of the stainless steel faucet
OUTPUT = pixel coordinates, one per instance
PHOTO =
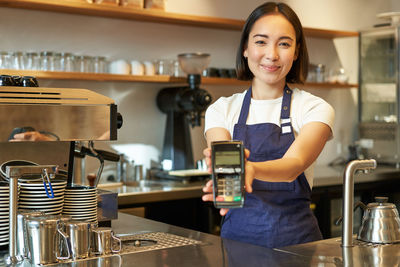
(348, 196)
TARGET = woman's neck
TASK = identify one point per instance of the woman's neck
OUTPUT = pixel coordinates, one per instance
(263, 91)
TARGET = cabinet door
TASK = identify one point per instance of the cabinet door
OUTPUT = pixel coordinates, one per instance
(378, 75)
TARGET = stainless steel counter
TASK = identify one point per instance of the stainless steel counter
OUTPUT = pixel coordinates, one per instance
(214, 251)
(329, 253)
(164, 190)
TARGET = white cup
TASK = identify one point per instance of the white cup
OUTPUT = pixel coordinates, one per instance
(149, 68)
(137, 68)
(119, 66)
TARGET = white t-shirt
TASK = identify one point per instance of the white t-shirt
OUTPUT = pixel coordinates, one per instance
(305, 108)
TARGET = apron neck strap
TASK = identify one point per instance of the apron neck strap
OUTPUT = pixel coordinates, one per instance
(244, 112)
(285, 109)
(286, 101)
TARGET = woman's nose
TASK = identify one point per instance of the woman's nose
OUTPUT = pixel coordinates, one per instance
(271, 53)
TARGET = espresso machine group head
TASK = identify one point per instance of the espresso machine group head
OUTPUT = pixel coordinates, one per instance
(184, 107)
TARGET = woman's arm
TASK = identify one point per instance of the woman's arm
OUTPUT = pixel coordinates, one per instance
(301, 154)
(217, 134)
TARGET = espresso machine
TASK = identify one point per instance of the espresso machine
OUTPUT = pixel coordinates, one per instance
(184, 107)
(61, 117)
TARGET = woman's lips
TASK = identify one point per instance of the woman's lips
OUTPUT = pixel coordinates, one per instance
(270, 68)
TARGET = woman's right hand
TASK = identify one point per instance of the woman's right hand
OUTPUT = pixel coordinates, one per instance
(208, 196)
(208, 188)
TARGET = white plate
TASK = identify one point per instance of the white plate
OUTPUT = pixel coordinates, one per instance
(59, 208)
(40, 204)
(80, 202)
(81, 206)
(91, 192)
(40, 182)
(84, 217)
(40, 208)
(76, 198)
(41, 194)
(80, 211)
(76, 216)
(41, 199)
(40, 188)
(4, 232)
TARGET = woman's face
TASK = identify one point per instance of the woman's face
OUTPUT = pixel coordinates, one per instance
(271, 49)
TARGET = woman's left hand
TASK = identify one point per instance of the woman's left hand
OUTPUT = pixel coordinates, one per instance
(208, 188)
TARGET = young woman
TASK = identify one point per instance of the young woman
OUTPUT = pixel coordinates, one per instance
(283, 129)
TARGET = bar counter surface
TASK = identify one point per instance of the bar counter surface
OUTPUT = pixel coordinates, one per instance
(212, 250)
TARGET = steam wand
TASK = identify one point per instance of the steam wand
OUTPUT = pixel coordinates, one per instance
(100, 158)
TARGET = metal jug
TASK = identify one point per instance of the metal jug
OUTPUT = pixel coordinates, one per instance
(380, 223)
(22, 235)
(42, 239)
(79, 233)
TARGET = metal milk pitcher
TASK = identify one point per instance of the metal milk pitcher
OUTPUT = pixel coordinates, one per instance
(22, 235)
(42, 239)
(79, 233)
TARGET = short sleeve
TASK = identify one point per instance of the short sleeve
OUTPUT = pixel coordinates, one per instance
(318, 110)
(215, 115)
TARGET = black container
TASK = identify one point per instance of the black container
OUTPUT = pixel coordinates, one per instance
(6, 80)
(29, 81)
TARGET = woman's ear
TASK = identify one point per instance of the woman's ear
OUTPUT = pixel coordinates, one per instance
(245, 53)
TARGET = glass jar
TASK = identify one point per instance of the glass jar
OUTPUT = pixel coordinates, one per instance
(17, 61)
(99, 65)
(320, 73)
(84, 64)
(162, 67)
(47, 61)
(67, 62)
(31, 61)
(4, 60)
(57, 62)
(176, 70)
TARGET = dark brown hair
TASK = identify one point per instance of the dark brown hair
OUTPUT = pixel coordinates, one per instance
(298, 72)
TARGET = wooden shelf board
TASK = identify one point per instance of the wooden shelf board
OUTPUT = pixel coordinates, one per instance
(105, 77)
(114, 11)
(326, 85)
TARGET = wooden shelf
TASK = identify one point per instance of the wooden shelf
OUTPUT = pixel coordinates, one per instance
(113, 11)
(105, 77)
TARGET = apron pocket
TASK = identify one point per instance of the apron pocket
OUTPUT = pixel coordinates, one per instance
(269, 186)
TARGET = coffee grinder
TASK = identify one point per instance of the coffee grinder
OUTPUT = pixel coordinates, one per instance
(184, 107)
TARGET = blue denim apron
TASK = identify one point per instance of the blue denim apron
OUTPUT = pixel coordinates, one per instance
(274, 214)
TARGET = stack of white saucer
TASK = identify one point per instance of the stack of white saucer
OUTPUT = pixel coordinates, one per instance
(80, 202)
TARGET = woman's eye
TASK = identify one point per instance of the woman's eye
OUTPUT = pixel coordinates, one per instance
(260, 42)
(284, 44)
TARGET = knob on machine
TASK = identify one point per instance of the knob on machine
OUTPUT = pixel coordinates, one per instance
(184, 107)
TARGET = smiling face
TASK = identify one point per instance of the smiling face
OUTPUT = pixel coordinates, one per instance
(271, 50)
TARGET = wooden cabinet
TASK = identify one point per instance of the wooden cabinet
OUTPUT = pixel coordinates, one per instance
(148, 15)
